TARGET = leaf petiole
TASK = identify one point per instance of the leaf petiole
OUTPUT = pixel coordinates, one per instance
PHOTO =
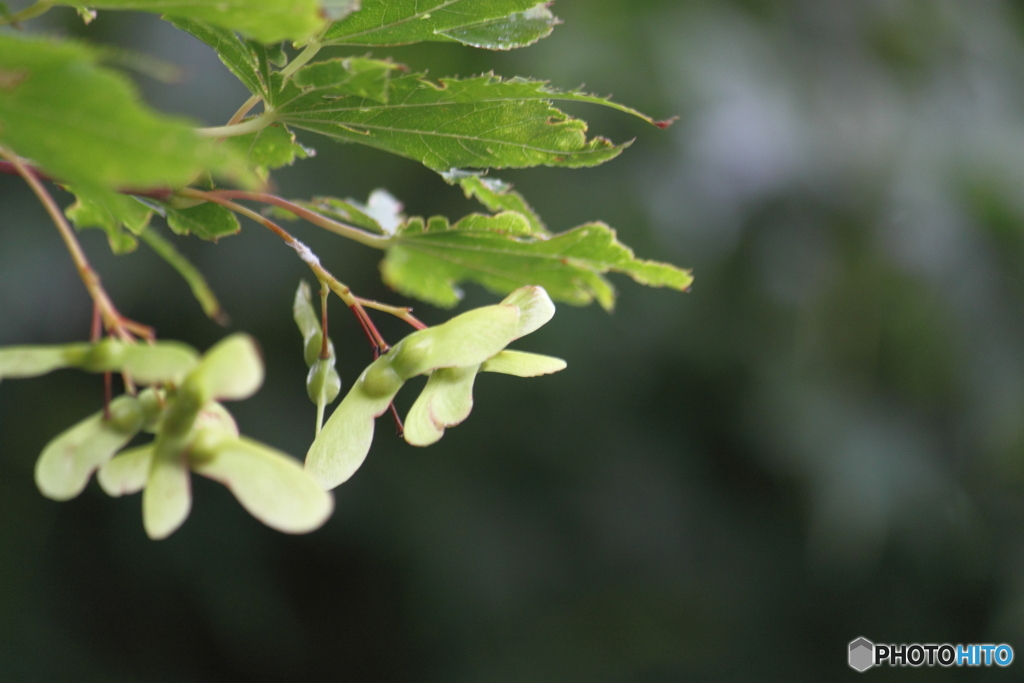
(253, 125)
(302, 58)
(244, 109)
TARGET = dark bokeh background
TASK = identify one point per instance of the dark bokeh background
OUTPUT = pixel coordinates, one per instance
(822, 440)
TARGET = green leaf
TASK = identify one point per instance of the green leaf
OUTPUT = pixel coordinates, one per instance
(429, 264)
(382, 213)
(207, 221)
(197, 283)
(237, 56)
(522, 364)
(87, 15)
(268, 21)
(336, 10)
(481, 122)
(446, 400)
(490, 24)
(66, 463)
(86, 125)
(167, 499)
(351, 76)
(268, 57)
(269, 148)
(270, 485)
(111, 212)
(127, 472)
(499, 196)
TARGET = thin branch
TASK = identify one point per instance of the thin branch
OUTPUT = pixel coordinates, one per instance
(96, 331)
(400, 312)
(113, 321)
(351, 232)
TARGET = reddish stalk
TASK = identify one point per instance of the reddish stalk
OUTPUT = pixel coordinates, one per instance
(324, 349)
(398, 421)
(304, 252)
(113, 321)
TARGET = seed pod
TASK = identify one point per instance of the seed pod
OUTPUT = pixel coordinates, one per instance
(323, 383)
(311, 351)
(408, 357)
(309, 325)
(380, 379)
(107, 355)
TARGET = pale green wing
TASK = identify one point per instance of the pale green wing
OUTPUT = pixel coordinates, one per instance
(167, 499)
(308, 322)
(467, 339)
(33, 361)
(535, 308)
(522, 364)
(345, 439)
(445, 401)
(65, 465)
(164, 362)
(270, 485)
(127, 472)
(147, 363)
(231, 370)
(215, 416)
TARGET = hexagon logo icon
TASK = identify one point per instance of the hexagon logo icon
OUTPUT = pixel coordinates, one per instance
(862, 654)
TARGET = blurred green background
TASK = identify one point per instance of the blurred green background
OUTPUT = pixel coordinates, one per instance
(823, 440)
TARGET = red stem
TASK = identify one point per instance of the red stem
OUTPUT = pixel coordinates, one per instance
(163, 194)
